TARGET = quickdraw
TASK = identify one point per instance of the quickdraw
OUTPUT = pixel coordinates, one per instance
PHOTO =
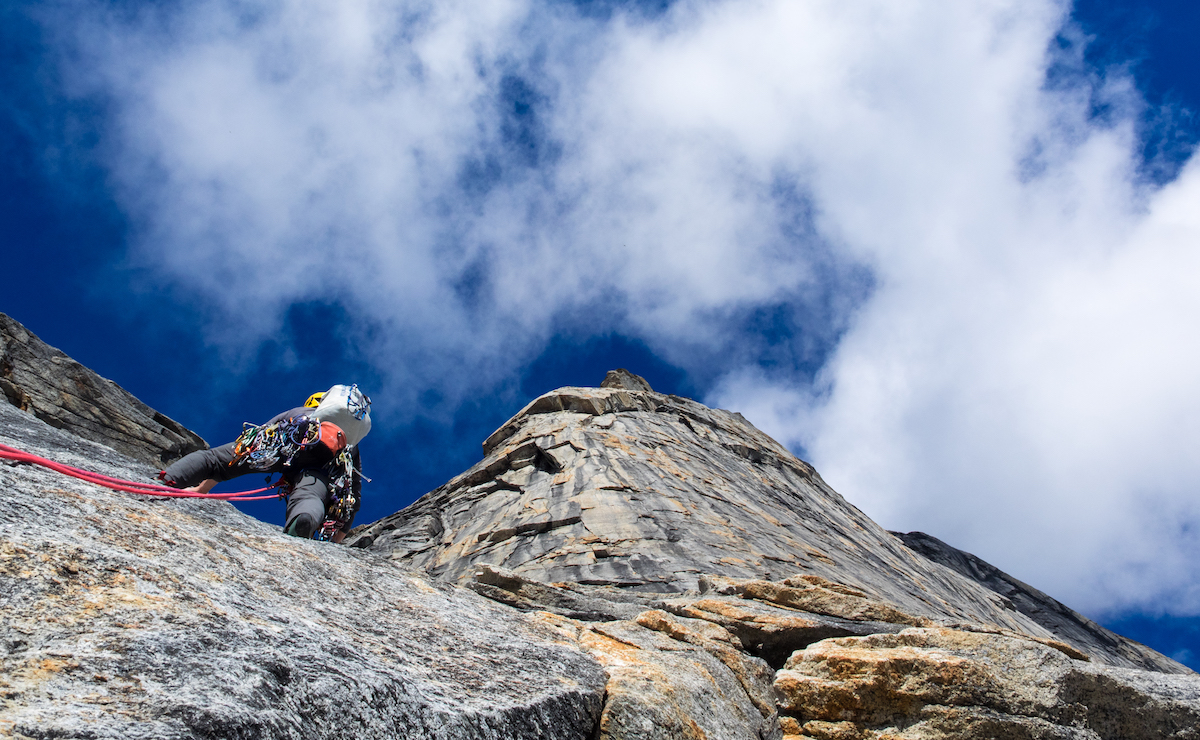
(120, 484)
(343, 502)
(262, 447)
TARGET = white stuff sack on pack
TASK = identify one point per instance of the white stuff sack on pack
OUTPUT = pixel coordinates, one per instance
(349, 408)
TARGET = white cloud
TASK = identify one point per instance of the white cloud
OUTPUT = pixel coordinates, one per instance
(1018, 381)
(1040, 409)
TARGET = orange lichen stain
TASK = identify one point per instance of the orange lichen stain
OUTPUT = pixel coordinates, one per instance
(422, 586)
(97, 699)
(842, 731)
(609, 651)
(611, 440)
(42, 670)
(50, 665)
(564, 629)
(135, 516)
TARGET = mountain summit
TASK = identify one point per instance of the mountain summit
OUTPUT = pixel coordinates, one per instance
(621, 564)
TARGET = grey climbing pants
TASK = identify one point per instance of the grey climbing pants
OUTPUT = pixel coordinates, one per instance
(310, 488)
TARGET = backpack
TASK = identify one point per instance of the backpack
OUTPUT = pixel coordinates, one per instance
(348, 408)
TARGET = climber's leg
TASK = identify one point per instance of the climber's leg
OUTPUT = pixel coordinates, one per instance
(306, 504)
(200, 467)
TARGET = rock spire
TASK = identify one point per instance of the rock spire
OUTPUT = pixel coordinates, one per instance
(642, 491)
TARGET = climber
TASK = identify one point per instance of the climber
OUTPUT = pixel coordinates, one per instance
(315, 449)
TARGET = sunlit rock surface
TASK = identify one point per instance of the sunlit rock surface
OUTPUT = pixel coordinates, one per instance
(691, 665)
(622, 566)
(39, 379)
(135, 617)
(947, 684)
(642, 491)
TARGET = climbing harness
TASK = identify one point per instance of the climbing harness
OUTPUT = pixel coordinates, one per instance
(128, 486)
(343, 502)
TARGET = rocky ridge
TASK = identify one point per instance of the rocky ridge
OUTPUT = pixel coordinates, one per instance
(40, 379)
(151, 618)
(1052, 614)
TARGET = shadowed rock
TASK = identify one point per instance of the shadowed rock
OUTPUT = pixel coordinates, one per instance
(41, 380)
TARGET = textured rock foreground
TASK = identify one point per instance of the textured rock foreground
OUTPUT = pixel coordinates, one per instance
(692, 666)
(128, 617)
(622, 565)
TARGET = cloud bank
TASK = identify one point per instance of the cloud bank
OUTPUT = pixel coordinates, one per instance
(910, 238)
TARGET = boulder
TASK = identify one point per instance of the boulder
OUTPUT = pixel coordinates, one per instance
(938, 683)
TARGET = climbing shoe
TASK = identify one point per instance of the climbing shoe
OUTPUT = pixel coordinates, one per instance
(301, 526)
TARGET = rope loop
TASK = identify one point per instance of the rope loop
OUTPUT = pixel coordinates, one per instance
(128, 486)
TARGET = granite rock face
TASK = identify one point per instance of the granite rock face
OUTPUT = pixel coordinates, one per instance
(679, 678)
(37, 378)
(622, 378)
(621, 566)
(139, 617)
(641, 491)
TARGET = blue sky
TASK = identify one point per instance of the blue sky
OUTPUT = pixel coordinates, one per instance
(946, 253)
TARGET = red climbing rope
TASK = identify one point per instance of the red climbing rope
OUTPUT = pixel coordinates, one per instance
(119, 484)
